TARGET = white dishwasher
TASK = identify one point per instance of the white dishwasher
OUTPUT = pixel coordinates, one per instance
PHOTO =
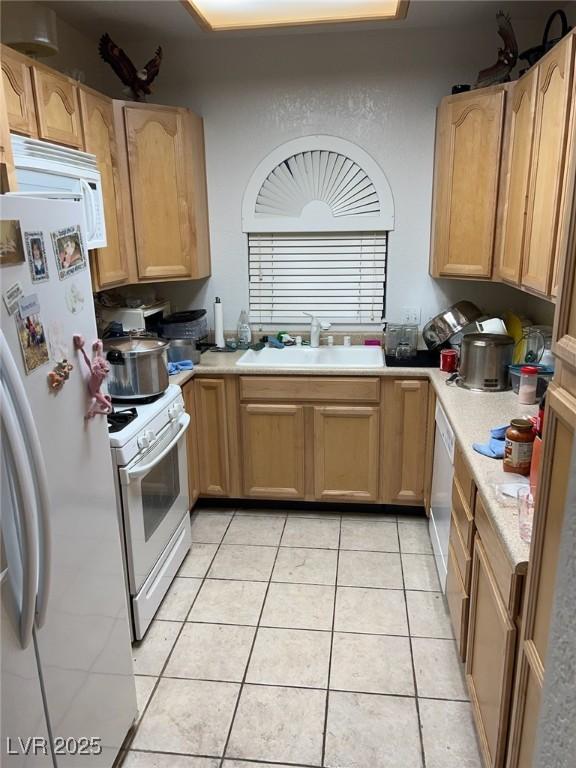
(441, 495)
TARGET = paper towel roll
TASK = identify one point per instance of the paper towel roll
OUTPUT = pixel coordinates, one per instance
(219, 324)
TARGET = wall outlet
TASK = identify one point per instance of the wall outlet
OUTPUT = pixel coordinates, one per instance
(411, 315)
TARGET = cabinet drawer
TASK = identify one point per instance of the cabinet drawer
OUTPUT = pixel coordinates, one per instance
(461, 554)
(501, 567)
(463, 516)
(464, 477)
(321, 388)
(458, 603)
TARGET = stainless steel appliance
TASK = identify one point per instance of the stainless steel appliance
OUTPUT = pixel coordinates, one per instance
(450, 322)
(138, 367)
(484, 362)
(66, 662)
(153, 500)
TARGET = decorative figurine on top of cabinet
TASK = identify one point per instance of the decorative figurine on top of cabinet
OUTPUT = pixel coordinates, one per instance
(138, 81)
(507, 56)
(99, 369)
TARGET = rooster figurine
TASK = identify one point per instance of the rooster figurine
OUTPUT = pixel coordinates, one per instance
(507, 56)
(138, 81)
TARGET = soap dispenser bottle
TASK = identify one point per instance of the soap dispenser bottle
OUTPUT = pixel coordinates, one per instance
(244, 332)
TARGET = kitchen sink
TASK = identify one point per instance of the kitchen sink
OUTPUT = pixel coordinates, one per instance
(313, 357)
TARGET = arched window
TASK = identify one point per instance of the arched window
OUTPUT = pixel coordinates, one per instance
(317, 212)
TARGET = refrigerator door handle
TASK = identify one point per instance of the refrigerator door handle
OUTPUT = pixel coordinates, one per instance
(39, 474)
(26, 517)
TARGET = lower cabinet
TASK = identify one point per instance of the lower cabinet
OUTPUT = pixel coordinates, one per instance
(490, 659)
(458, 602)
(405, 425)
(212, 435)
(311, 438)
(192, 443)
(273, 451)
(346, 453)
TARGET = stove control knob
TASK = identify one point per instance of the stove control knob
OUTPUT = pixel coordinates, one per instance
(143, 441)
(151, 435)
(173, 412)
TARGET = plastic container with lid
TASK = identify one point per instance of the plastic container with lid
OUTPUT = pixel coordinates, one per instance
(518, 446)
(528, 385)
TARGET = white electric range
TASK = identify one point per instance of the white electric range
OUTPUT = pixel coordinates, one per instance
(151, 478)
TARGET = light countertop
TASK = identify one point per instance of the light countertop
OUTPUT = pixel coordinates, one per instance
(472, 415)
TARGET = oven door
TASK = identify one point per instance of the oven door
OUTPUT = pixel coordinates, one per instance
(155, 499)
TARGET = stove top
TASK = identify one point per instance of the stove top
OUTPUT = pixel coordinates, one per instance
(146, 413)
(119, 419)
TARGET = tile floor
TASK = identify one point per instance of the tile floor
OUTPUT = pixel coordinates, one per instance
(303, 640)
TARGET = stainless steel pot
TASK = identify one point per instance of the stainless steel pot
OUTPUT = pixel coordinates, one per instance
(448, 323)
(138, 367)
(484, 362)
(183, 349)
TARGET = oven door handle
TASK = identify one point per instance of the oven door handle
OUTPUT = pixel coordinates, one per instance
(127, 475)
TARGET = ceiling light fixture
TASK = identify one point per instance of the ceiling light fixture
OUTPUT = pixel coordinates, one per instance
(220, 15)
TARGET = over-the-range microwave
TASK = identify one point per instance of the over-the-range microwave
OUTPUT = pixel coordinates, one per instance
(49, 170)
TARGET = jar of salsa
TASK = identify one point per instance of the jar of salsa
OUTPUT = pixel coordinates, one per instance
(518, 446)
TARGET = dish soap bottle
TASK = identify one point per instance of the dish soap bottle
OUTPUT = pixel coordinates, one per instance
(244, 332)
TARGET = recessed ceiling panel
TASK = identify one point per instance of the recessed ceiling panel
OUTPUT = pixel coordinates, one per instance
(246, 14)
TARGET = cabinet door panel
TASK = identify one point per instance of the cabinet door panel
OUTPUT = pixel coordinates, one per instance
(548, 160)
(560, 433)
(57, 107)
(273, 451)
(458, 603)
(404, 437)
(162, 220)
(18, 94)
(346, 453)
(467, 165)
(213, 448)
(490, 659)
(521, 132)
(192, 443)
(98, 121)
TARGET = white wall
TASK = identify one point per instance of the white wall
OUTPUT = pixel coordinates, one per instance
(378, 89)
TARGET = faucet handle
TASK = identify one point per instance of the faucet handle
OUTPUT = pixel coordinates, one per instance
(325, 325)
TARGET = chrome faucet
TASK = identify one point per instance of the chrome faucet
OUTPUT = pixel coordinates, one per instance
(316, 327)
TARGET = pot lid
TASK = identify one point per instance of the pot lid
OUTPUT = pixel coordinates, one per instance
(135, 345)
(487, 340)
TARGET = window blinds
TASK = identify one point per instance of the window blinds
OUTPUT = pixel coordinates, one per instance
(337, 276)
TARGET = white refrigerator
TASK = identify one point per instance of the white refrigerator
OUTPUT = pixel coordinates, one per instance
(67, 687)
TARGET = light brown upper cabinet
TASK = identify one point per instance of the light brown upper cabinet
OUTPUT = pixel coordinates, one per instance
(516, 181)
(110, 265)
(165, 156)
(18, 95)
(57, 107)
(405, 427)
(273, 450)
(346, 453)
(466, 173)
(555, 92)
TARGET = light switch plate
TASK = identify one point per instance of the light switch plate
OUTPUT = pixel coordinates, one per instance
(411, 315)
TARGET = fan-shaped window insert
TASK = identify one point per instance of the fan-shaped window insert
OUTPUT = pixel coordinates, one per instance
(317, 212)
(318, 184)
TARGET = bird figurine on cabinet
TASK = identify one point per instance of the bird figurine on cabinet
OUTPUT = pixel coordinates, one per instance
(138, 81)
(507, 56)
